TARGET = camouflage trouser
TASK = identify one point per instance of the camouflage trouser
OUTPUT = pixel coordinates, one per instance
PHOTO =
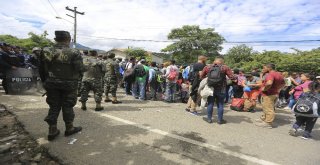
(79, 84)
(95, 85)
(110, 86)
(59, 99)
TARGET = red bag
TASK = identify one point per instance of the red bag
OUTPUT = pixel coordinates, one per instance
(237, 104)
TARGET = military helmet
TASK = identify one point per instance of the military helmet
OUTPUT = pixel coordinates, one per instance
(62, 36)
(36, 49)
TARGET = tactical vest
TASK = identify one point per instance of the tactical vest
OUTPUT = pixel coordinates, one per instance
(110, 71)
(93, 68)
(60, 66)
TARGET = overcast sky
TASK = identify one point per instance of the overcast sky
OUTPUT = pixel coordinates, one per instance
(236, 20)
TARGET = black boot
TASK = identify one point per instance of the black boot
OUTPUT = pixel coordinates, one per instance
(98, 107)
(53, 132)
(83, 106)
(70, 129)
(115, 100)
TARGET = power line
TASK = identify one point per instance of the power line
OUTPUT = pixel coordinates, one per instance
(230, 42)
(53, 8)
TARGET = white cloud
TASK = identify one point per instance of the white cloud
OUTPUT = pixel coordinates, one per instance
(139, 19)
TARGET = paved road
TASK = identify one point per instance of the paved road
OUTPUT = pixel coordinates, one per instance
(149, 132)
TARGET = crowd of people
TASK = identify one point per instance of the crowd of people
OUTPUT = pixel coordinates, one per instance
(14, 57)
(201, 85)
(198, 85)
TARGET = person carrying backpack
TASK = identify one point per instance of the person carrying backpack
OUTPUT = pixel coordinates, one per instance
(172, 74)
(307, 110)
(128, 76)
(216, 74)
(154, 73)
(141, 72)
(194, 79)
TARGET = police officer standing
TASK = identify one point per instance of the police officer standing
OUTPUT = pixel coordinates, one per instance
(92, 80)
(60, 69)
(111, 78)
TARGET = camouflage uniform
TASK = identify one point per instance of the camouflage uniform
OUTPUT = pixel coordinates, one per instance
(92, 79)
(59, 70)
(85, 53)
(111, 78)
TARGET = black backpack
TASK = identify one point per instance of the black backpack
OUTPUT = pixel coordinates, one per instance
(192, 75)
(216, 76)
(140, 71)
(307, 105)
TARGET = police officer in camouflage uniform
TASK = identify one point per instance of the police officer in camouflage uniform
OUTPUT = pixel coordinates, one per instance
(92, 80)
(60, 68)
(111, 78)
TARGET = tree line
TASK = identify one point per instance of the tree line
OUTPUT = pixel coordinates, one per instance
(190, 41)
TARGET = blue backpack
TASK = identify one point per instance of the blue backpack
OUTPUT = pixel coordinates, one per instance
(185, 73)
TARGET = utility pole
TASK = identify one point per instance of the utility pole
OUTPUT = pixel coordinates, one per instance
(75, 22)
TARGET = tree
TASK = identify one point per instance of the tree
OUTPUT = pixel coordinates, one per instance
(246, 58)
(238, 55)
(191, 41)
(138, 53)
(32, 41)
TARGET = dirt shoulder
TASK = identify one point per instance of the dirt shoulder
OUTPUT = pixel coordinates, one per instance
(17, 146)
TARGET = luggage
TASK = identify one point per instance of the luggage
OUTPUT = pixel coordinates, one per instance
(248, 106)
(237, 104)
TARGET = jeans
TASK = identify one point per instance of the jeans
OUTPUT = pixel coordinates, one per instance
(227, 94)
(292, 102)
(309, 121)
(154, 85)
(142, 90)
(219, 98)
(128, 86)
(170, 91)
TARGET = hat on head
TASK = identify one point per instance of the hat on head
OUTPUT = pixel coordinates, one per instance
(318, 77)
(111, 55)
(36, 49)
(142, 60)
(62, 35)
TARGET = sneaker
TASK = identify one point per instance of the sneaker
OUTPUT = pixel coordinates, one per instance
(258, 120)
(293, 132)
(194, 113)
(306, 136)
(287, 108)
(263, 125)
(207, 120)
(222, 122)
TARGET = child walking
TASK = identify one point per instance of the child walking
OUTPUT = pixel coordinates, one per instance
(307, 111)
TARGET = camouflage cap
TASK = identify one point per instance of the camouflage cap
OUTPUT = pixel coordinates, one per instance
(111, 55)
(93, 52)
(62, 35)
